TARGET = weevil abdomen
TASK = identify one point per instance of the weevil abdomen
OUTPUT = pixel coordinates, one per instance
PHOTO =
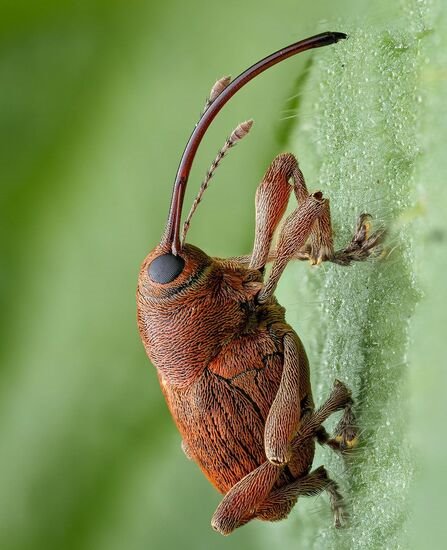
(222, 416)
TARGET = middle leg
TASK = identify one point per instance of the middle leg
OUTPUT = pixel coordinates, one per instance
(339, 399)
(272, 196)
(345, 435)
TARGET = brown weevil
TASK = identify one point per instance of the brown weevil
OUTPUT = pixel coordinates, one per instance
(234, 374)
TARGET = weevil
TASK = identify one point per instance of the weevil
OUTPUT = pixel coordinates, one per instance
(233, 372)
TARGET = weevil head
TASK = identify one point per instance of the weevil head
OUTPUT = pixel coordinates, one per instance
(189, 305)
(184, 310)
(165, 276)
(173, 267)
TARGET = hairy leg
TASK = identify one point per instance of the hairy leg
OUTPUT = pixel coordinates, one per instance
(338, 400)
(284, 415)
(280, 501)
(271, 200)
(237, 506)
(294, 234)
(272, 197)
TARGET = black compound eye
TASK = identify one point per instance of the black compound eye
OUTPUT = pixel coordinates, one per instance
(165, 268)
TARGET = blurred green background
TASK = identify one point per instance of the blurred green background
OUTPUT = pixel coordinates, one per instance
(97, 100)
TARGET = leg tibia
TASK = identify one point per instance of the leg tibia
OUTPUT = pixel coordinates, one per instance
(281, 501)
(272, 197)
(241, 500)
(294, 234)
(321, 242)
(339, 398)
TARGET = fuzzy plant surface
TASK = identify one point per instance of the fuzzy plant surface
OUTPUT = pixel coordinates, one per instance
(361, 141)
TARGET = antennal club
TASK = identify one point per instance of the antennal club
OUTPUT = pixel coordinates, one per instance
(171, 237)
(216, 90)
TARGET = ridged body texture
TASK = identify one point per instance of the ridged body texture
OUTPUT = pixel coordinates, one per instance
(220, 356)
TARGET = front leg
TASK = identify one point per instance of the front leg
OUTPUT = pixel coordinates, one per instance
(317, 246)
(284, 415)
(363, 243)
(271, 200)
(272, 197)
(239, 504)
(295, 232)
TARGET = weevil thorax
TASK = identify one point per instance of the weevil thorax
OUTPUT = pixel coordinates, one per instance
(188, 306)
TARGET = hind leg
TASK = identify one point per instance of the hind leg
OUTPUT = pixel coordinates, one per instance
(254, 495)
(281, 501)
(238, 505)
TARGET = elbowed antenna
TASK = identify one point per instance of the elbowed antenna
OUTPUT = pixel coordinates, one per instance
(171, 236)
(236, 135)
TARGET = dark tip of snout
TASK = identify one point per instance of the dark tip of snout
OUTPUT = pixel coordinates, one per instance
(339, 36)
(165, 268)
(330, 37)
